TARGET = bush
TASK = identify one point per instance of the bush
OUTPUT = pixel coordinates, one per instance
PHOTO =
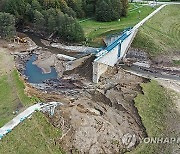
(103, 11)
(7, 25)
(124, 7)
(69, 29)
(109, 10)
(39, 20)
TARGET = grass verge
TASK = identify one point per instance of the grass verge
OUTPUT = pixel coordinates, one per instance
(20, 90)
(34, 136)
(161, 34)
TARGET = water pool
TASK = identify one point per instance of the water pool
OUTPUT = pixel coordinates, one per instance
(35, 74)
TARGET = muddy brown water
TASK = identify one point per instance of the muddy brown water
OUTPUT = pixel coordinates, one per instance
(37, 40)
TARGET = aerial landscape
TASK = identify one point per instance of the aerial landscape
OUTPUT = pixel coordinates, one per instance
(89, 77)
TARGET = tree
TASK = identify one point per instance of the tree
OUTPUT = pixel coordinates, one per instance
(36, 5)
(29, 13)
(117, 8)
(77, 32)
(77, 7)
(103, 11)
(51, 24)
(2, 4)
(65, 9)
(124, 7)
(7, 26)
(89, 10)
(69, 28)
(39, 21)
(60, 20)
(108, 10)
(89, 7)
(16, 7)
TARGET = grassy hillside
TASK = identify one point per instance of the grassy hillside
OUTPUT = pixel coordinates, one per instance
(34, 136)
(12, 95)
(161, 34)
(159, 117)
(94, 31)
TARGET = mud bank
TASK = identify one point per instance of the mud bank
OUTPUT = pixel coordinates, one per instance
(46, 60)
(57, 47)
(95, 117)
(140, 62)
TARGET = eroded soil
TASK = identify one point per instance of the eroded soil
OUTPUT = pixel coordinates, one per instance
(94, 118)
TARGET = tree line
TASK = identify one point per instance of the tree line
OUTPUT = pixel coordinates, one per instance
(60, 16)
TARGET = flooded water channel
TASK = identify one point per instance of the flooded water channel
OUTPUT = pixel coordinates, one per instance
(35, 74)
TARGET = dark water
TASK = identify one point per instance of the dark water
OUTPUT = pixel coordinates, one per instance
(54, 50)
(35, 74)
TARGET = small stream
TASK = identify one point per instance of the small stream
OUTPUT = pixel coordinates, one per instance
(54, 50)
(35, 74)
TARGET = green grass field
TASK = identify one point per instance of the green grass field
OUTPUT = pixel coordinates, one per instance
(33, 136)
(95, 31)
(157, 112)
(12, 96)
(161, 34)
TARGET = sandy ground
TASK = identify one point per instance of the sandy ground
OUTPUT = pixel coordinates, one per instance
(45, 61)
(6, 62)
(15, 47)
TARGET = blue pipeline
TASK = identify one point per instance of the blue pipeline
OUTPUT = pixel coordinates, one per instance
(125, 34)
(109, 48)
